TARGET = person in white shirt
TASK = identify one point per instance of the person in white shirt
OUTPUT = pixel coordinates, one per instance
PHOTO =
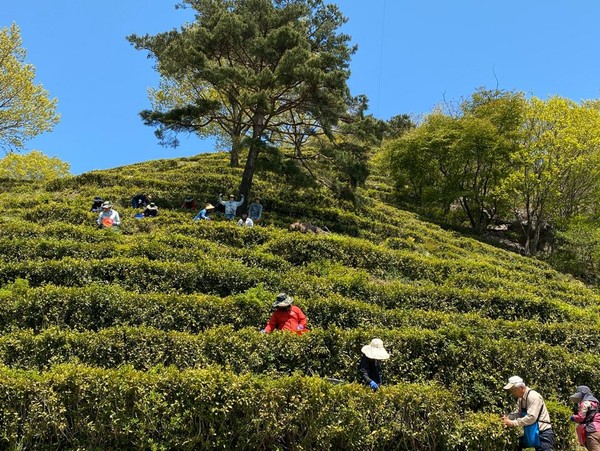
(245, 221)
(108, 217)
(531, 409)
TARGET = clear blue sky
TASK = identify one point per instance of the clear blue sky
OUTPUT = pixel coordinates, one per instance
(411, 56)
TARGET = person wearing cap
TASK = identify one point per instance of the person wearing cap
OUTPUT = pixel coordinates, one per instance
(231, 205)
(245, 221)
(151, 210)
(255, 210)
(108, 217)
(370, 363)
(587, 418)
(205, 212)
(189, 203)
(96, 204)
(286, 316)
(531, 409)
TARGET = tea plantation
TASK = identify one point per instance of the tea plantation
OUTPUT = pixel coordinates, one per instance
(149, 337)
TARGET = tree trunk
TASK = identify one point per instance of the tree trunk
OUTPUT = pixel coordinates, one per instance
(255, 147)
(234, 154)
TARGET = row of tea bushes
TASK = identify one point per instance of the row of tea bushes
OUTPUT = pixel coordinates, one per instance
(95, 307)
(446, 356)
(77, 407)
(215, 276)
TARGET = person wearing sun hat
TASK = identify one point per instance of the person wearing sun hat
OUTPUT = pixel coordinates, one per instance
(96, 204)
(370, 362)
(286, 316)
(587, 418)
(231, 205)
(150, 211)
(205, 212)
(531, 412)
(108, 217)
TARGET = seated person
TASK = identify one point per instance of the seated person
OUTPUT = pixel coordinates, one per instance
(139, 201)
(151, 210)
(97, 204)
(245, 221)
(108, 217)
(204, 213)
(189, 203)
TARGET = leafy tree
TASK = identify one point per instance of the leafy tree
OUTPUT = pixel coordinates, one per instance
(25, 109)
(460, 159)
(253, 63)
(33, 166)
(557, 169)
(398, 125)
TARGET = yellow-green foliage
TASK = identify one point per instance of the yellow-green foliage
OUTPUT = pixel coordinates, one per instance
(149, 337)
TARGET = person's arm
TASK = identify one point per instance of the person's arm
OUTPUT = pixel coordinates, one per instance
(364, 368)
(116, 218)
(259, 207)
(301, 318)
(272, 324)
(99, 220)
(579, 417)
(221, 199)
(240, 202)
(535, 404)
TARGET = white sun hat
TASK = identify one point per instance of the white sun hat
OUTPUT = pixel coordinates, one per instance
(375, 350)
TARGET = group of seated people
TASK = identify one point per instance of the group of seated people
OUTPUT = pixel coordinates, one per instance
(107, 217)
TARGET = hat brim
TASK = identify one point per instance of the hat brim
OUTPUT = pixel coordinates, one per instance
(375, 353)
(576, 397)
(285, 303)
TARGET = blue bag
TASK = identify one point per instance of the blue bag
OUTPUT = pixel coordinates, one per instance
(531, 433)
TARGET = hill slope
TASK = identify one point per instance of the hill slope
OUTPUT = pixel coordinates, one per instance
(150, 337)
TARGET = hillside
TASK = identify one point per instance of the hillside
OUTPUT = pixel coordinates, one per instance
(149, 338)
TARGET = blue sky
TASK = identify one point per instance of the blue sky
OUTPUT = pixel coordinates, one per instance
(411, 56)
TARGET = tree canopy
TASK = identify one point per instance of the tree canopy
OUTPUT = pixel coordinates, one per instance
(25, 108)
(33, 166)
(249, 65)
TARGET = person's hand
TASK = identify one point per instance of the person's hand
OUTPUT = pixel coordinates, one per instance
(263, 331)
(374, 385)
(507, 421)
(300, 327)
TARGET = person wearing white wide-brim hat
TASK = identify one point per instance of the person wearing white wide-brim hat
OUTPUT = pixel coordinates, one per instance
(370, 363)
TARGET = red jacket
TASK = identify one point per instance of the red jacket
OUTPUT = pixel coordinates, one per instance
(287, 320)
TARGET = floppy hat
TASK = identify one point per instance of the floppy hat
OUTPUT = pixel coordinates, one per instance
(107, 204)
(209, 206)
(231, 195)
(512, 381)
(283, 300)
(152, 206)
(375, 350)
(581, 393)
(97, 199)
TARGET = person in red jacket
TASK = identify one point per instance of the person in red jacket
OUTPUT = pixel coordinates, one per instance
(286, 316)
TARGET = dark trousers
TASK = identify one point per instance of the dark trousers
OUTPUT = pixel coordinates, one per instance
(546, 441)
